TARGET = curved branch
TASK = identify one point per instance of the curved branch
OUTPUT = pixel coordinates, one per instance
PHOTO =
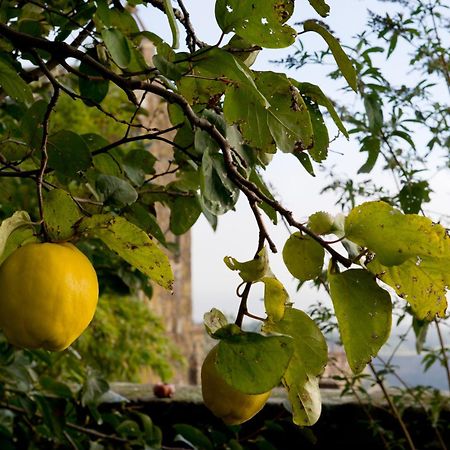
(62, 50)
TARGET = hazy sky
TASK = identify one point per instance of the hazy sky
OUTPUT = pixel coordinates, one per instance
(213, 283)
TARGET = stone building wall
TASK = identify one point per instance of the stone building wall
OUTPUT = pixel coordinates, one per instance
(174, 308)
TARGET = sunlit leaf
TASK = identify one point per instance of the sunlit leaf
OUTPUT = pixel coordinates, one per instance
(252, 270)
(262, 23)
(303, 257)
(9, 227)
(214, 320)
(394, 236)
(321, 222)
(421, 282)
(132, 244)
(60, 214)
(364, 314)
(275, 298)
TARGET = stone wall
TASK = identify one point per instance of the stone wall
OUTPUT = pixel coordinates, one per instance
(174, 308)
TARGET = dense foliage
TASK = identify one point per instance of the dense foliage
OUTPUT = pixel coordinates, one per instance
(101, 190)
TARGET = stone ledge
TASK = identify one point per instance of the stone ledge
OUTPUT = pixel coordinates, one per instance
(344, 422)
(192, 394)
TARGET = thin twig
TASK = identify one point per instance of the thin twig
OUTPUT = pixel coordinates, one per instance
(393, 408)
(443, 351)
(43, 147)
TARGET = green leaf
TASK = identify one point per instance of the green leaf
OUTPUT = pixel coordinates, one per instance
(118, 47)
(13, 84)
(405, 136)
(68, 153)
(219, 193)
(246, 111)
(92, 90)
(52, 412)
(6, 423)
(184, 212)
(321, 223)
(393, 236)
(320, 6)
(371, 145)
(60, 214)
(364, 314)
(342, 60)
(115, 17)
(373, 107)
(144, 219)
(303, 257)
(115, 191)
(167, 68)
(321, 140)
(192, 436)
(262, 23)
(412, 195)
(132, 244)
(92, 390)
(10, 239)
(138, 163)
(305, 161)
(307, 363)
(421, 282)
(287, 117)
(275, 298)
(214, 320)
(30, 125)
(316, 94)
(253, 363)
(256, 178)
(252, 270)
(211, 72)
(54, 387)
(420, 328)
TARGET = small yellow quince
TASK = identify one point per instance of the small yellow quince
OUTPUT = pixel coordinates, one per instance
(48, 295)
(232, 406)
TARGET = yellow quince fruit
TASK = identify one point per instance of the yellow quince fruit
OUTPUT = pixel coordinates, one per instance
(231, 405)
(48, 295)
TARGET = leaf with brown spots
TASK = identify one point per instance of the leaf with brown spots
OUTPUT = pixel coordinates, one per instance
(421, 282)
(132, 244)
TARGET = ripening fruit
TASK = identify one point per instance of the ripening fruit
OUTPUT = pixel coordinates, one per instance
(224, 401)
(48, 295)
(303, 257)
